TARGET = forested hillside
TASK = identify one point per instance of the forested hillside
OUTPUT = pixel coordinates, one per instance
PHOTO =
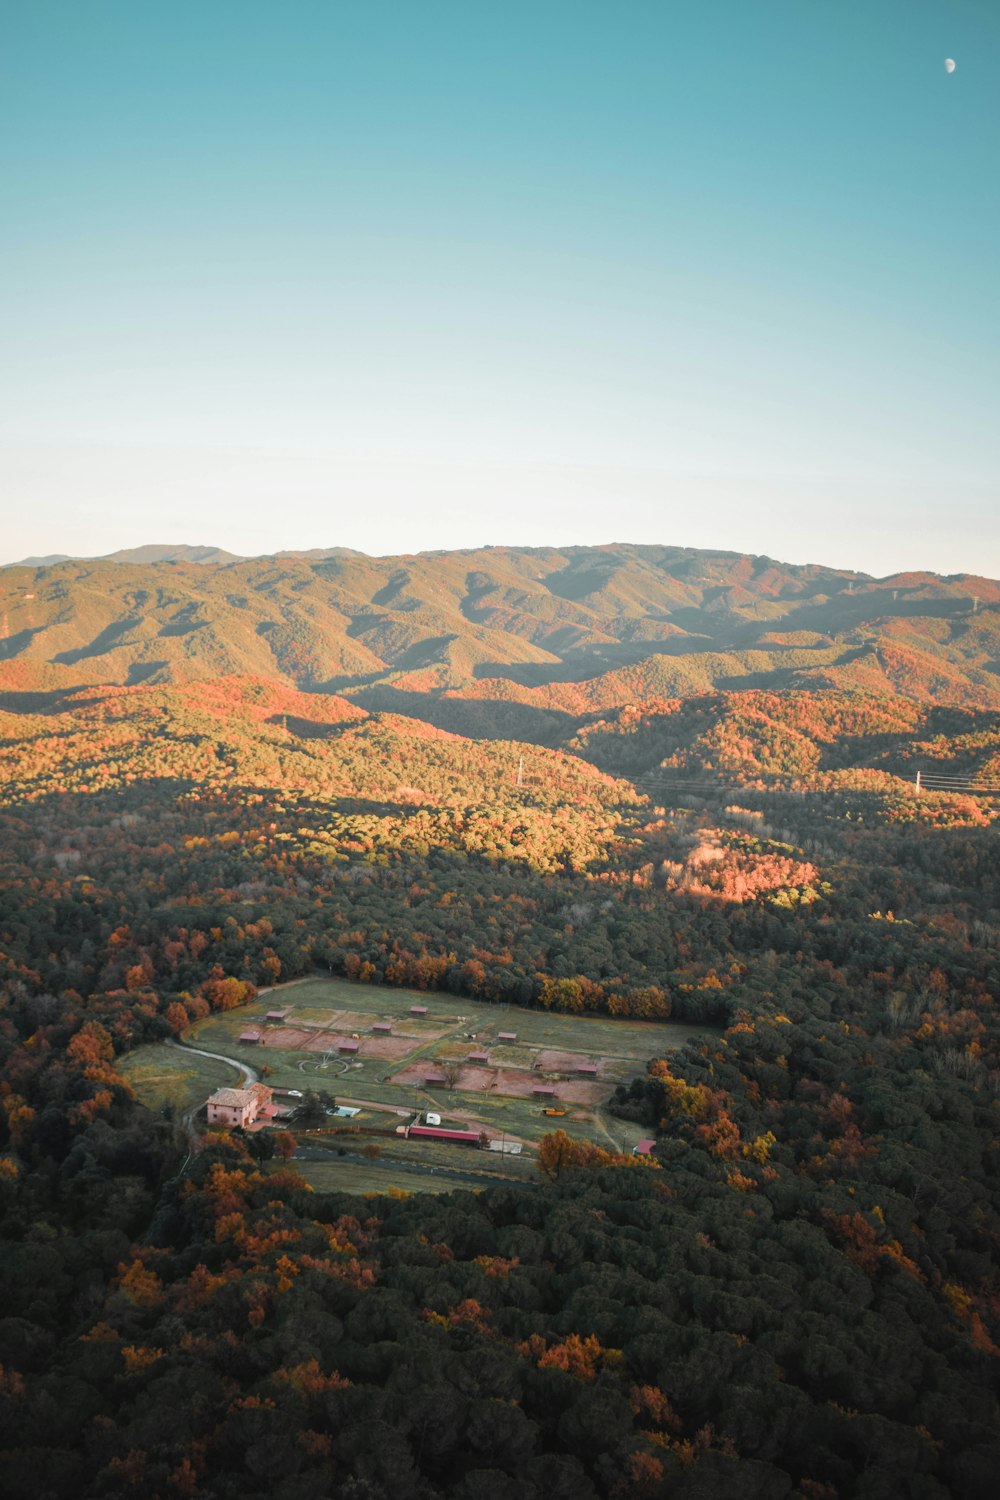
(617, 623)
(637, 782)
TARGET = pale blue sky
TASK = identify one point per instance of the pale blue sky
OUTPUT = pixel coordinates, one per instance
(404, 275)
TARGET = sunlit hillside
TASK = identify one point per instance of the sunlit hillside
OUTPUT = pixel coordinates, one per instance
(581, 628)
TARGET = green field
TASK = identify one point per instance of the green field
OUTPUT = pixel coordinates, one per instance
(163, 1075)
(624, 1048)
(430, 1171)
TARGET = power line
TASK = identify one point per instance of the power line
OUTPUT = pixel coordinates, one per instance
(651, 783)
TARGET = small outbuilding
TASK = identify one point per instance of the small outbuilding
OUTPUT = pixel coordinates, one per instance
(276, 1016)
(249, 1036)
(384, 1028)
(435, 1075)
(348, 1046)
(478, 1057)
(587, 1070)
(506, 1036)
(418, 1010)
(544, 1091)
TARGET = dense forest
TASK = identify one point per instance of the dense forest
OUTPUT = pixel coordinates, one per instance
(801, 1299)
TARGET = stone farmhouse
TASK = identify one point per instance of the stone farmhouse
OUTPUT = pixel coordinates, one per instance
(238, 1107)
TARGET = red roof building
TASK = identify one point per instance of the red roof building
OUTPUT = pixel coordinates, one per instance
(438, 1133)
(587, 1070)
(418, 1010)
(249, 1036)
(479, 1057)
(435, 1076)
(544, 1091)
(348, 1046)
(506, 1036)
(276, 1015)
(383, 1026)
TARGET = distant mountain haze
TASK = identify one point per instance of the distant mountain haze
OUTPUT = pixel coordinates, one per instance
(564, 630)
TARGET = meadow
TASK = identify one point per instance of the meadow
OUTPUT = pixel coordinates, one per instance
(170, 1077)
(388, 1077)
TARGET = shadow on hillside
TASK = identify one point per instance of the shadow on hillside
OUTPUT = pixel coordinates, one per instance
(474, 718)
(13, 645)
(56, 701)
(106, 640)
(312, 729)
(146, 671)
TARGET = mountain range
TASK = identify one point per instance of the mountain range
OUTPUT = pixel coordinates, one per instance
(570, 629)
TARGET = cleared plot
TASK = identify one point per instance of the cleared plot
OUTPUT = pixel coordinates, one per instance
(376, 1177)
(514, 1082)
(168, 1076)
(327, 997)
(392, 1048)
(392, 1069)
(550, 1061)
(506, 1056)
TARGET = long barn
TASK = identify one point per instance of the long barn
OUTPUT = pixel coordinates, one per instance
(438, 1133)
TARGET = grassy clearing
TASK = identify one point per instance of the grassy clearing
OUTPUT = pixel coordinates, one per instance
(453, 1027)
(164, 1075)
(380, 1177)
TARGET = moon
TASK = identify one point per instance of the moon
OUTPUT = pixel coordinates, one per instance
(949, 65)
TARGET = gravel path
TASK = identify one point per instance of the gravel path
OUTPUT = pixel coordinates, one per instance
(249, 1074)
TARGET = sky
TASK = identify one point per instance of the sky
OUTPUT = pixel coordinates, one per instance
(402, 276)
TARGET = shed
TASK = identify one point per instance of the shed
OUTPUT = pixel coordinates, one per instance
(418, 1010)
(435, 1075)
(587, 1069)
(506, 1036)
(643, 1148)
(479, 1057)
(276, 1015)
(383, 1026)
(436, 1133)
(346, 1045)
(250, 1035)
(544, 1091)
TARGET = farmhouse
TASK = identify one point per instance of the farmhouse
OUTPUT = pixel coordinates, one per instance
(237, 1108)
